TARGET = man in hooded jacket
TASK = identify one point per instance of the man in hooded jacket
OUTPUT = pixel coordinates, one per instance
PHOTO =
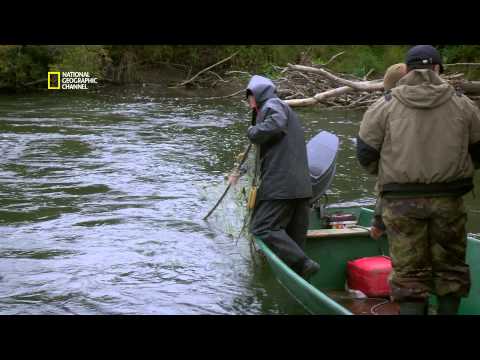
(281, 213)
(423, 141)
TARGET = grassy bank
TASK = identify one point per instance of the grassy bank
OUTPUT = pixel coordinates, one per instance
(27, 66)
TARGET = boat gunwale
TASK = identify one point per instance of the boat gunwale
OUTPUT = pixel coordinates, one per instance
(326, 300)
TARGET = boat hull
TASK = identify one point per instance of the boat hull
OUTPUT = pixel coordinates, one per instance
(333, 253)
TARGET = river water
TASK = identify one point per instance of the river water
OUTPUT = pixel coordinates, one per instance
(102, 198)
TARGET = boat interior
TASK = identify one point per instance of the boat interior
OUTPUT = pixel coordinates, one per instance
(333, 248)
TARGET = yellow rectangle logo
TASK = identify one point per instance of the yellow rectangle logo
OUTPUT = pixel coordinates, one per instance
(54, 79)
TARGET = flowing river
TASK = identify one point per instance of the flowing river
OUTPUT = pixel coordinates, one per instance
(102, 198)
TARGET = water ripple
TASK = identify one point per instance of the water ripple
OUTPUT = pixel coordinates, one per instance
(102, 199)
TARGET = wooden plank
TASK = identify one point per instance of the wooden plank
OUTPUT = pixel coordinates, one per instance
(353, 231)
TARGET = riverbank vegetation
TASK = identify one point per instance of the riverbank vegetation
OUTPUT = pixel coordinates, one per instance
(25, 67)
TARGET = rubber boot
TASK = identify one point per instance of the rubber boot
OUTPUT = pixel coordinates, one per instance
(310, 268)
(413, 308)
(448, 305)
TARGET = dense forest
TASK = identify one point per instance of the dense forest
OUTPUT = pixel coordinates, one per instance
(25, 67)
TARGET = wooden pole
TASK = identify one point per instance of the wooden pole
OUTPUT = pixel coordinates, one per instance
(237, 169)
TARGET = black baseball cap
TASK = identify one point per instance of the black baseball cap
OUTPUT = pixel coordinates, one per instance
(423, 55)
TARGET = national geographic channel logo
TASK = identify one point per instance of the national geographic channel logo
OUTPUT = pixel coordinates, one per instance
(69, 80)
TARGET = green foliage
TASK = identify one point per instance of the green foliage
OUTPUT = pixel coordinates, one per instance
(360, 59)
(83, 58)
(393, 55)
(7, 66)
(269, 71)
(20, 65)
(463, 54)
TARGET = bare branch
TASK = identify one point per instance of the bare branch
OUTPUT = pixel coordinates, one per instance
(462, 64)
(226, 96)
(332, 58)
(319, 97)
(35, 82)
(470, 87)
(218, 76)
(206, 69)
(357, 85)
(368, 74)
(237, 72)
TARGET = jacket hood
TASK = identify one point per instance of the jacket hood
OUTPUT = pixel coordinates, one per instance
(422, 89)
(262, 88)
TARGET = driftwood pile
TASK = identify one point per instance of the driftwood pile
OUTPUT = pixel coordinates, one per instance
(302, 85)
(310, 85)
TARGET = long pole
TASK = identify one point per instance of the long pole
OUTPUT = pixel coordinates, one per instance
(236, 170)
(245, 154)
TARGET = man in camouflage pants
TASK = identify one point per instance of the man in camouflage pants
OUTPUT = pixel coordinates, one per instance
(427, 246)
(422, 140)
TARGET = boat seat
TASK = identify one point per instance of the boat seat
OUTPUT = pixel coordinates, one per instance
(357, 231)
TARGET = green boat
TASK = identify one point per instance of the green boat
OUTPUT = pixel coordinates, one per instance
(325, 293)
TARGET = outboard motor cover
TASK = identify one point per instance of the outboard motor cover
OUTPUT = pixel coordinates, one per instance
(322, 154)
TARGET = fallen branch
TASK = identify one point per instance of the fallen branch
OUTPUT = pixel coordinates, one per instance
(296, 95)
(462, 64)
(238, 72)
(306, 78)
(319, 97)
(207, 69)
(332, 58)
(376, 85)
(454, 76)
(216, 97)
(226, 96)
(359, 102)
(470, 87)
(35, 82)
(218, 76)
(365, 78)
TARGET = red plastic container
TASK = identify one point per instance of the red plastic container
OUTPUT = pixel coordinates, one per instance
(370, 275)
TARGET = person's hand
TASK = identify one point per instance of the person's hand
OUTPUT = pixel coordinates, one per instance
(376, 233)
(378, 227)
(233, 178)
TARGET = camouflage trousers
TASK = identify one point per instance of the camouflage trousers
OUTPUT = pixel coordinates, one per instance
(427, 239)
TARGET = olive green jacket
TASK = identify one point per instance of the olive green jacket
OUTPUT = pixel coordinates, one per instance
(421, 134)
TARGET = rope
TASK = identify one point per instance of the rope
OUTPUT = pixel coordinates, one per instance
(374, 308)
